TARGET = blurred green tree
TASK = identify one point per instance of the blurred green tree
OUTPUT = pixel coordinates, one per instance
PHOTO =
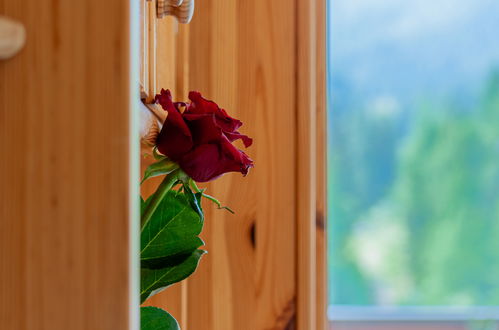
(440, 168)
(448, 187)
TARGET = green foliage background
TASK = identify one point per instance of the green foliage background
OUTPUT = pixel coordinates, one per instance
(414, 203)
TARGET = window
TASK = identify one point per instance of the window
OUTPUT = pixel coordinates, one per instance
(413, 166)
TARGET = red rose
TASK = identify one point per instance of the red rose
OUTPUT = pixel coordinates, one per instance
(200, 139)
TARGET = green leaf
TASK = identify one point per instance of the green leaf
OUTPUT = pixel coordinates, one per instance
(156, 154)
(162, 167)
(153, 318)
(153, 281)
(172, 232)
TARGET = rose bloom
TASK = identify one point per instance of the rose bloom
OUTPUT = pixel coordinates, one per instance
(200, 138)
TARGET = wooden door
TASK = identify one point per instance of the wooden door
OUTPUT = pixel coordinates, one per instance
(67, 179)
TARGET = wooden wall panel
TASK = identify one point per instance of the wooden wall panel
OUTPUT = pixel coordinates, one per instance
(307, 164)
(321, 136)
(166, 50)
(265, 65)
(152, 28)
(65, 168)
(242, 54)
(144, 47)
(168, 68)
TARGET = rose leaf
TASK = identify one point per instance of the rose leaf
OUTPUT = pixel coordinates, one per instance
(153, 281)
(171, 235)
(153, 318)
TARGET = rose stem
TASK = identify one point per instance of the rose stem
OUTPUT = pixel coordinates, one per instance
(211, 198)
(158, 196)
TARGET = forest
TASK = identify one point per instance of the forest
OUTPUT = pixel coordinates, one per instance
(413, 197)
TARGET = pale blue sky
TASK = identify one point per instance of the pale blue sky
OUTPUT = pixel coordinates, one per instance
(391, 19)
(402, 47)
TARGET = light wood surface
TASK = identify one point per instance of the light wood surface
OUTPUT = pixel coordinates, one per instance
(321, 185)
(307, 164)
(144, 48)
(243, 56)
(262, 63)
(64, 168)
(166, 69)
(182, 10)
(152, 39)
(165, 54)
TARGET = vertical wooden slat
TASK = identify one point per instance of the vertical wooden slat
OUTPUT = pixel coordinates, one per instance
(151, 52)
(165, 67)
(242, 54)
(258, 60)
(163, 70)
(307, 163)
(321, 136)
(64, 168)
(182, 61)
(144, 47)
(210, 290)
(182, 91)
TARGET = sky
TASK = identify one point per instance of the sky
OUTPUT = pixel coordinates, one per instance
(378, 20)
(399, 48)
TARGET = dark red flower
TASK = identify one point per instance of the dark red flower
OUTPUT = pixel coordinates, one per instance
(200, 139)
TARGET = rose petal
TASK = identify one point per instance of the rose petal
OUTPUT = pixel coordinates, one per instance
(236, 135)
(200, 105)
(199, 139)
(236, 155)
(203, 163)
(175, 137)
(208, 161)
(227, 123)
(203, 127)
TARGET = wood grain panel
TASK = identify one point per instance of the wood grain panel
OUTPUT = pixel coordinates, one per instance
(307, 163)
(169, 68)
(321, 136)
(242, 54)
(265, 65)
(166, 54)
(64, 168)
(144, 48)
(182, 62)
